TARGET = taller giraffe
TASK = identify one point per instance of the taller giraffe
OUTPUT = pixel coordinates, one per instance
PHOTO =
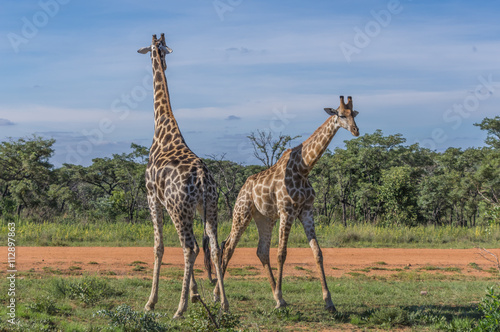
(179, 181)
(283, 192)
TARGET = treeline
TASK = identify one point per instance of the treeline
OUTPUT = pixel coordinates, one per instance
(375, 179)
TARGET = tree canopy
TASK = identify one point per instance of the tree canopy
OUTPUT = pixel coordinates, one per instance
(373, 179)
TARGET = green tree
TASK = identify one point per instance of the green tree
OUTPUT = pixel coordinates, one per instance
(488, 174)
(117, 184)
(370, 155)
(322, 178)
(397, 193)
(228, 177)
(492, 127)
(434, 194)
(25, 173)
(130, 196)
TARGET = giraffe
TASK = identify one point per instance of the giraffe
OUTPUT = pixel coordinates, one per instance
(179, 181)
(283, 192)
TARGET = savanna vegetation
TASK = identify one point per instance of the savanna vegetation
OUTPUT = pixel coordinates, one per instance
(419, 301)
(377, 191)
(375, 179)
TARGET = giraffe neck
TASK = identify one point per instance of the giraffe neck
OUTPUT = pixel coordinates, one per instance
(314, 147)
(166, 127)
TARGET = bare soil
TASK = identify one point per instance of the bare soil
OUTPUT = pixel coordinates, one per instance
(138, 261)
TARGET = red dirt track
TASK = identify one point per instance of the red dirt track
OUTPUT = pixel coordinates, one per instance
(300, 262)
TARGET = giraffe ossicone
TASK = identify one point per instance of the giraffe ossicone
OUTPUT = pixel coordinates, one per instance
(180, 182)
(283, 192)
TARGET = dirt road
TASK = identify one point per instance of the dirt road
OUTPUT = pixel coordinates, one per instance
(138, 261)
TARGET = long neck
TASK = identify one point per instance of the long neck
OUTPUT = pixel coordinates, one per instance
(314, 147)
(166, 127)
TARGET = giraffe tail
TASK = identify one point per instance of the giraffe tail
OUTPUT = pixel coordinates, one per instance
(205, 241)
(222, 247)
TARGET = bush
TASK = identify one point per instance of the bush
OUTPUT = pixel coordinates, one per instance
(490, 308)
(44, 305)
(129, 320)
(89, 290)
(389, 317)
(199, 321)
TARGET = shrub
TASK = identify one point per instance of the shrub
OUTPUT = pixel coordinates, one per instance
(129, 320)
(89, 290)
(199, 321)
(44, 305)
(490, 308)
(389, 317)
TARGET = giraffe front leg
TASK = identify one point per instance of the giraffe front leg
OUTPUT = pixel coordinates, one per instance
(241, 218)
(308, 222)
(157, 217)
(285, 226)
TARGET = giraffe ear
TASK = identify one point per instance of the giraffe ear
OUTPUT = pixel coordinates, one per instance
(166, 49)
(331, 111)
(144, 50)
(354, 113)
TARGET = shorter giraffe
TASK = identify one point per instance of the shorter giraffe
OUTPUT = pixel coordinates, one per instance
(283, 192)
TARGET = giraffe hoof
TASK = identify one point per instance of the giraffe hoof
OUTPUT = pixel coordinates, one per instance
(195, 298)
(149, 307)
(330, 308)
(225, 306)
(178, 316)
(281, 304)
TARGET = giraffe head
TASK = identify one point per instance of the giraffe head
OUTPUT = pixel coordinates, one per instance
(158, 49)
(345, 115)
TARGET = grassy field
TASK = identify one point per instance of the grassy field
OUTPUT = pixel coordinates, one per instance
(395, 302)
(122, 234)
(417, 300)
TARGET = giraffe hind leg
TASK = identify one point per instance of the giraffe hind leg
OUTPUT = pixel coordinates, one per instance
(307, 221)
(186, 236)
(265, 228)
(207, 260)
(284, 231)
(193, 290)
(215, 252)
(157, 216)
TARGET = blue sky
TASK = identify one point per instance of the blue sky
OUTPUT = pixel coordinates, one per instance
(426, 69)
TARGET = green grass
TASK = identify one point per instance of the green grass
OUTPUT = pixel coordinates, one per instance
(121, 234)
(475, 266)
(74, 303)
(436, 268)
(172, 273)
(138, 268)
(138, 263)
(243, 271)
